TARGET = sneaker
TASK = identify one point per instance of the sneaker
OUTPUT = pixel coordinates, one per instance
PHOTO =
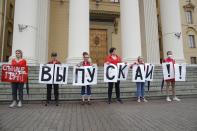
(109, 101)
(82, 102)
(47, 102)
(168, 99)
(176, 99)
(89, 103)
(19, 104)
(138, 100)
(119, 100)
(144, 100)
(57, 103)
(13, 104)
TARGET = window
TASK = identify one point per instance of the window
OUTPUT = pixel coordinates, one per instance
(193, 60)
(115, 1)
(191, 41)
(189, 17)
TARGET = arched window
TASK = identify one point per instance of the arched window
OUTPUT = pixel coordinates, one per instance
(191, 39)
(189, 17)
(189, 8)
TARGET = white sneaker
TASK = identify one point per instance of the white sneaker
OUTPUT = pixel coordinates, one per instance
(144, 100)
(138, 100)
(176, 99)
(19, 104)
(168, 99)
(13, 104)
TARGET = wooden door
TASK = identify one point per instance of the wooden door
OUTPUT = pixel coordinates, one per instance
(98, 46)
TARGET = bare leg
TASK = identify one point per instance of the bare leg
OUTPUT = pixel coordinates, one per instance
(167, 91)
(167, 88)
(173, 89)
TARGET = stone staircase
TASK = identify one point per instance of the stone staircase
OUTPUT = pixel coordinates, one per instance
(99, 91)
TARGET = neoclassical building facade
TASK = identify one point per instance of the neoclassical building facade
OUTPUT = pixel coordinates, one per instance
(147, 28)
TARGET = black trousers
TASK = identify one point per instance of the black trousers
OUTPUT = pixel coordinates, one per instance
(19, 87)
(56, 91)
(110, 89)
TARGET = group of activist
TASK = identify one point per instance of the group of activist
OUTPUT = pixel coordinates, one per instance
(112, 58)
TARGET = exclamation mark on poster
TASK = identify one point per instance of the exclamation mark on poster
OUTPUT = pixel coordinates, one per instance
(180, 70)
(168, 69)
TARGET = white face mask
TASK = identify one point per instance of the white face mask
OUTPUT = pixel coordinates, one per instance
(169, 56)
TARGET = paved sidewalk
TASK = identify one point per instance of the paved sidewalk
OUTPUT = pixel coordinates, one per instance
(156, 115)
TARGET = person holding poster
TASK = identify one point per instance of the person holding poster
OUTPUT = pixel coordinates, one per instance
(85, 62)
(55, 86)
(170, 81)
(17, 86)
(140, 85)
(113, 58)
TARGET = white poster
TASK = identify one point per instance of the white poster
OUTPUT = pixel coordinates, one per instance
(149, 71)
(168, 71)
(60, 74)
(180, 72)
(138, 73)
(84, 75)
(46, 73)
(91, 75)
(78, 76)
(122, 71)
(110, 73)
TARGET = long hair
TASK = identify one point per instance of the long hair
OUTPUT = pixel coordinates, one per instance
(20, 52)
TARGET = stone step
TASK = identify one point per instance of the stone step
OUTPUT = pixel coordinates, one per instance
(76, 96)
(102, 90)
(99, 91)
(101, 84)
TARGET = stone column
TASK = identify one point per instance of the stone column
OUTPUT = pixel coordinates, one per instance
(171, 28)
(78, 30)
(130, 30)
(25, 29)
(43, 30)
(151, 32)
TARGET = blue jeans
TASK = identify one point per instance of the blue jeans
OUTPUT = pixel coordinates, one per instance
(88, 92)
(140, 89)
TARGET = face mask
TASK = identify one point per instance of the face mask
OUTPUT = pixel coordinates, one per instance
(169, 56)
